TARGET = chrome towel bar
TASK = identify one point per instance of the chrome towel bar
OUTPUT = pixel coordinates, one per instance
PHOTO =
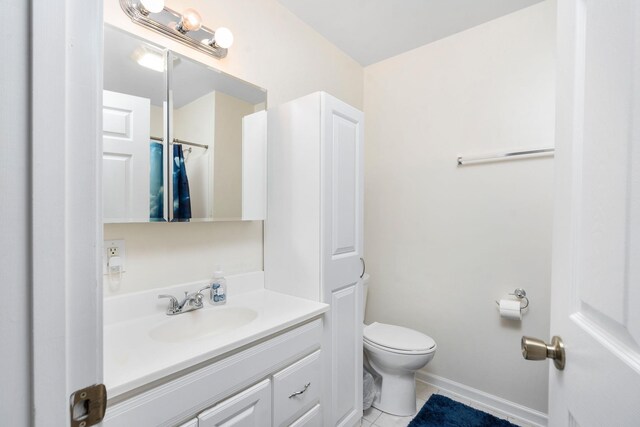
(506, 156)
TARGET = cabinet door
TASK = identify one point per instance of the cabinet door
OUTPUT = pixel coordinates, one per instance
(341, 236)
(250, 408)
(313, 418)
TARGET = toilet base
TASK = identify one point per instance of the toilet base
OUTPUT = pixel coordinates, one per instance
(397, 394)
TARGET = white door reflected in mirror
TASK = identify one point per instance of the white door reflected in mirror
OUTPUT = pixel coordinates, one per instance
(125, 157)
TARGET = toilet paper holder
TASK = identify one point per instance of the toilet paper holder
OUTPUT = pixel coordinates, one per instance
(521, 294)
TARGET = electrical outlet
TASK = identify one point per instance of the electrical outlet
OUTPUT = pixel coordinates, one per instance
(113, 248)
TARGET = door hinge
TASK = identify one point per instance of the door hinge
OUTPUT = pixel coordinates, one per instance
(88, 406)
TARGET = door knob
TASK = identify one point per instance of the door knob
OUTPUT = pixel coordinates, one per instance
(536, 349)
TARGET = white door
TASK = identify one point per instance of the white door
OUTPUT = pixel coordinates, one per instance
(596, 271)
(125, 158)
(250, 408)
(65, 286)
(341, 242)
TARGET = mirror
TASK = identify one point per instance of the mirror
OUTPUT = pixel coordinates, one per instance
(218, 129)
(134, 105)
(181, 141)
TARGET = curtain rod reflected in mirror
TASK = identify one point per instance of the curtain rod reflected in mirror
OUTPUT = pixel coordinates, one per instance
(179, 141)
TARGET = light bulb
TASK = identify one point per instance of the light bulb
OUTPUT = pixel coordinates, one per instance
(223, 37)
(191, 21)
(152, 6)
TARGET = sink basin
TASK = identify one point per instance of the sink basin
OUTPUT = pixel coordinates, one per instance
(202, 323)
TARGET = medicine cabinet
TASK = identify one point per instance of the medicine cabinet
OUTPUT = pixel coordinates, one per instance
(182, 141)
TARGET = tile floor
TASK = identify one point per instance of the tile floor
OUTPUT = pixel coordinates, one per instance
(375, 418)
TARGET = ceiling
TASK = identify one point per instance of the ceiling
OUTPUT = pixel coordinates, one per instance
(373, 30)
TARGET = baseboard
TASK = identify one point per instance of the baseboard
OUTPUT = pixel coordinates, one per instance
(498, 404)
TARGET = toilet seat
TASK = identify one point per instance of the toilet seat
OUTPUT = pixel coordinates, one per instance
(397, 339)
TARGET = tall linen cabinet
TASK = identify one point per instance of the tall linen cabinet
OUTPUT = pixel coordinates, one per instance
(313, 232)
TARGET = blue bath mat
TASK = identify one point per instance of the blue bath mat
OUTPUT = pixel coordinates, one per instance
(440, 411)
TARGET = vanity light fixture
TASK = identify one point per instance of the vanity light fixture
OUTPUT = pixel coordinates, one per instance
(185, 27)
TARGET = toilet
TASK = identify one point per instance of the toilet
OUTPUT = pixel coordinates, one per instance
(394, 354)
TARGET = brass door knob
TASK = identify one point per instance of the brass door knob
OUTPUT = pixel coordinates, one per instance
(536, 349)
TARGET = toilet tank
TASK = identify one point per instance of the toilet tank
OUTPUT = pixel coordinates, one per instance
(365, 291)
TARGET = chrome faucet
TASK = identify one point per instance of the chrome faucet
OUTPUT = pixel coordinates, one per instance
(192, 301)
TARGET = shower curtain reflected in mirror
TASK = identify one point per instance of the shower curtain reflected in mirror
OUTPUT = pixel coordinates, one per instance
(181, 196)
(156, 187)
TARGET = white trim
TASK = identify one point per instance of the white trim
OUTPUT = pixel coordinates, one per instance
(66, 75)
(510, 409)
(15, 228)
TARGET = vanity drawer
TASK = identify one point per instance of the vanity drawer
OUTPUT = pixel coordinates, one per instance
(296, 389)
(248, 408)
(313, 418)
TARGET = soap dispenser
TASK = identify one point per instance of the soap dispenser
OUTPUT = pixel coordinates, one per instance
(218, 288)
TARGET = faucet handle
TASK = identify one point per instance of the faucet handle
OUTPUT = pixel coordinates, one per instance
(173, 302)
(200, 296)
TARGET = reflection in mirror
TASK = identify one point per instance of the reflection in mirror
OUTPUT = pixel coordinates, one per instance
(134, 100)
(218, 125)
(214, 168)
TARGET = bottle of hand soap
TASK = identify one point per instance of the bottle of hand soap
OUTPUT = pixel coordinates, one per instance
(218, 288)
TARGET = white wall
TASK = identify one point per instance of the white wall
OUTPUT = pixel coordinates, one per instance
(443, 242)
(272, 49)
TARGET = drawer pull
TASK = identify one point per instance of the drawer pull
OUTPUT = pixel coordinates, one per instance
(297, 393)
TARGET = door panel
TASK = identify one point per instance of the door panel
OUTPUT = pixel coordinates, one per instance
(596, 285)
(345, 185)
(347, 353)
(126, 190)
(341, 242)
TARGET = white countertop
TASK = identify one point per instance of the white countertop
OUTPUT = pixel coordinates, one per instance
(132, 358)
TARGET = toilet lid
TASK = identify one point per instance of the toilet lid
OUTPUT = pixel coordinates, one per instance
(397, 337)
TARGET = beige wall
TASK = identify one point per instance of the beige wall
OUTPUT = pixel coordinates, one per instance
(227, 181)
(272, 49)
(443, 242)
(156, 118)
(196, 122)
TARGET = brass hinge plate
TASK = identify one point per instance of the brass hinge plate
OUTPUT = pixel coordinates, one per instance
(88, 406)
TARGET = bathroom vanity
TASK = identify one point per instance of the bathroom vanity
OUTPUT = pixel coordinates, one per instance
(256, 360)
